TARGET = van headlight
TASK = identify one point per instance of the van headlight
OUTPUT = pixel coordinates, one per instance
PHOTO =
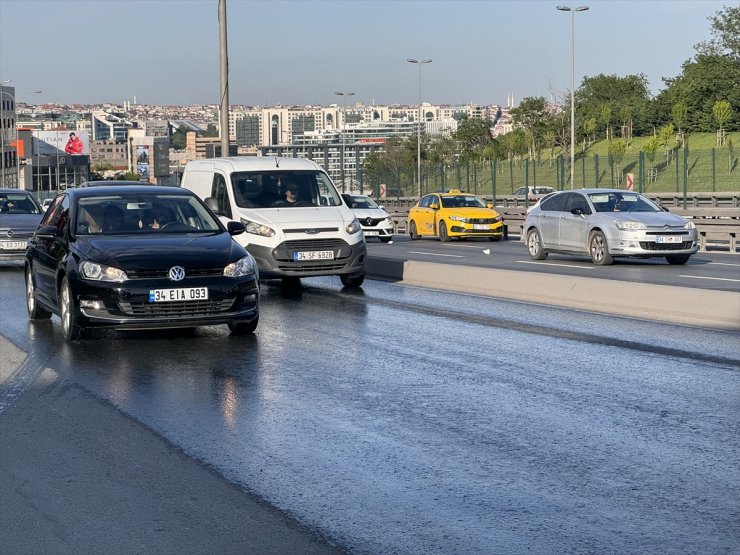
(101, 272)
(243, 267)
(629, 226)
(353, 227)
(258, 229)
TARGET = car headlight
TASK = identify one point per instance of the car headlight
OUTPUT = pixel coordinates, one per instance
(258, 229)
(629, 226)
(353, 227)
(243, 267)
(458, 218)
(101, 272)
(689, 225)
(388, 220)
(498, 219)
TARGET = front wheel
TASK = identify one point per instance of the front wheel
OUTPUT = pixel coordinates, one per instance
(678, 259)
(71, 330)
(243, 328)
(599, 249)
(413, 232)
(443, 236)
(352, 281)
(534, 245)
(35, 312)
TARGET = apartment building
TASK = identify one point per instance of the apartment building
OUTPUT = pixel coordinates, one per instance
(8, 139)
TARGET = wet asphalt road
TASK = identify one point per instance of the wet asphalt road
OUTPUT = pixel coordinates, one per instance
(399, 420)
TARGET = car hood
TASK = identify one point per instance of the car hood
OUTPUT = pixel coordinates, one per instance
(293, 217)
(128, 252)
(650, 219)
(375, 213)
(20, 222)
(471, 212)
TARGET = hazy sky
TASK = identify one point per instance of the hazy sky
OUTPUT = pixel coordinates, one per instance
(301, 52)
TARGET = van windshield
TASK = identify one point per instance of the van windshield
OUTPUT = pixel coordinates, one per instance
(275, 189)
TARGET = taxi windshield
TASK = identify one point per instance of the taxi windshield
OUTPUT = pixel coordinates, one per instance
(462, 201)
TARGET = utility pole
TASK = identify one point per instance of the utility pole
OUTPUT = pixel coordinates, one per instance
(224, 57)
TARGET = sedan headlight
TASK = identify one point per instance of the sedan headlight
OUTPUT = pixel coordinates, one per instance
(258, 229)
(243, 267)
(101, 272)
(629, 226)
(458, 218)
(353, 227)
(689, 225)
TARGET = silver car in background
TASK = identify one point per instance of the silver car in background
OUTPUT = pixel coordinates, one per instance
(374, 219)
(607, 223)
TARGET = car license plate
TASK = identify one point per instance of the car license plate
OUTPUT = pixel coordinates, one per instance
(370, 233)
(669, 239)
(299, 256)
(480, 226)
(13, 245)
(175, 295)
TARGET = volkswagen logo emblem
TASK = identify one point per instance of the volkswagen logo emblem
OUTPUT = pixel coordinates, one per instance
(177, 273)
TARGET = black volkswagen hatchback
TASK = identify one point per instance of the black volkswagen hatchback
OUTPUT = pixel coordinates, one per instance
(139, 257)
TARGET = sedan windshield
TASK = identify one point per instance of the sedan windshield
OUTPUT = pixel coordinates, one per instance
(622, 202)
(463, 201)
(18, 203)
(142, 213)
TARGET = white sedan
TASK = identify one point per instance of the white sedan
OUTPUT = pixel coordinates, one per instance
(375, 221)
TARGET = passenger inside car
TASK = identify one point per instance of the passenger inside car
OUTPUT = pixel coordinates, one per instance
(112, 219)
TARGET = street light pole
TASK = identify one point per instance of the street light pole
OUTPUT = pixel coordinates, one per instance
(572, 86)
(344, 95)
(419, 62)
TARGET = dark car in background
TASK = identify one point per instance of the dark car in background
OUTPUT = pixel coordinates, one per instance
(139, 257)
(20, 215)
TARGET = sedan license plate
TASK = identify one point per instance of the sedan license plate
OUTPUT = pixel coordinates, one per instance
(370, 233)
(175, 295)
(480, 226)
(300, 256)
(13, 245)
(669, 239)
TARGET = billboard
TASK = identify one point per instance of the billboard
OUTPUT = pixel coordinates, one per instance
(142, 162)
(161, 157)
(61, 143)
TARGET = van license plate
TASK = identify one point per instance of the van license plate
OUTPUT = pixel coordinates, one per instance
(300, 256)
(174, 295)
(669, 239)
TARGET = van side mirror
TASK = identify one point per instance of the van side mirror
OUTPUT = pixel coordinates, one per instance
(212, 203)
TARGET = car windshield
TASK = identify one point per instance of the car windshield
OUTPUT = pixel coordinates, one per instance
(360, 201)
(18, 203)
(141, 214)
(276, 189)
(622, 202)
(462, 201)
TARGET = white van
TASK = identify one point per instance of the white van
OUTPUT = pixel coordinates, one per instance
(297, 224)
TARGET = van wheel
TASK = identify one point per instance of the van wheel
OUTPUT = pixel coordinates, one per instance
(413, 231)
(243, 328)
(352, 281)
(35, 312)
(71, 330)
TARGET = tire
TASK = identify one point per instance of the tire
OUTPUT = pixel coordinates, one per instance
(352, 281)
(412, 231)
(534, 245)
(678, 259)
(243, 328)
(599, 249)
(443, 232)
(385, 239)
(495, 238)
(71, 330)
(35, 312)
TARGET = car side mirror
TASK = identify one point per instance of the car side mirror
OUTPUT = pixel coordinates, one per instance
(434, 206)
(578, 212)
(212, 203)
(489, 205)
(664, 209)
(235, 228)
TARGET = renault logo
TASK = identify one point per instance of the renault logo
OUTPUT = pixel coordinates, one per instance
(177, 273)
(369, 221)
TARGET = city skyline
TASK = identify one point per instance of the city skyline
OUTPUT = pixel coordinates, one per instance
(299, 53)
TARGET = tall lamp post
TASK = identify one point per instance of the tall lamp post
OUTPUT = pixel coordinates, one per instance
(419, 62)
(344, 96)
(572, 86)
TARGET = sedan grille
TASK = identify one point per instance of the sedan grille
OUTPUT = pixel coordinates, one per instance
(482, 220)
(186, 308)
(650, 246)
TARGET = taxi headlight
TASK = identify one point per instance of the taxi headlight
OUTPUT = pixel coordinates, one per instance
(458, 218)
(689, 225)
(629, 226)
(101, 272)
(258, 229)
(243, 267)
(498, 219)
(353, 227)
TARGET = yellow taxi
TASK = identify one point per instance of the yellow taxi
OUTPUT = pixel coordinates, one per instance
(454, 214)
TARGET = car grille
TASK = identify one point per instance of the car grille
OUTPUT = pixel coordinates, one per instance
(185, 308)
(310, 267)
(163, 274)
(313, 244)
(371, 222)
(482, 220)
(650, 246)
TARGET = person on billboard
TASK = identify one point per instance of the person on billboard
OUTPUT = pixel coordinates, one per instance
(74, 144)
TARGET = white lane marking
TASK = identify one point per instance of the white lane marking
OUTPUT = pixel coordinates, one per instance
(721, 264)
(435, 254)
(714, 278)
(556, 264)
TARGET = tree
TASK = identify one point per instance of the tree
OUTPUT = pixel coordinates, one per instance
(532, 116)
(626, 97)
(211, 131)
(725, 34)
(473, 135)
(605, 115)
(617, 150)
(179, 139)
(722, 112)
(678, 115)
